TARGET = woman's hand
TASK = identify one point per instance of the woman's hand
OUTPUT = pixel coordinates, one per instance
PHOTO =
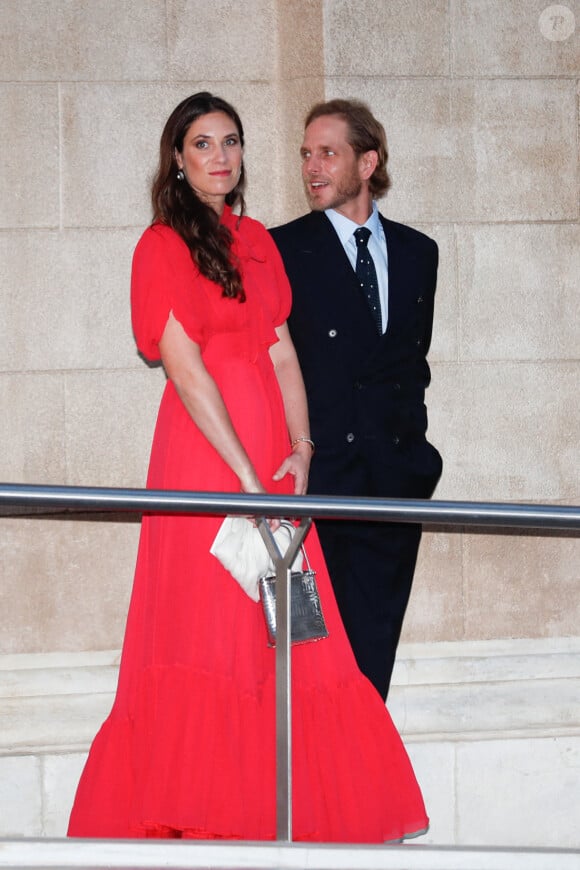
(251, 485)
(297, 464)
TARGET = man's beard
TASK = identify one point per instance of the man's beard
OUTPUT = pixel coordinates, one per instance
(347, 188)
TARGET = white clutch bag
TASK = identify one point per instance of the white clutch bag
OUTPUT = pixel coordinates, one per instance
(239, 547)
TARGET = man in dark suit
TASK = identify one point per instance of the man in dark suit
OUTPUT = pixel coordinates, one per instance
(361, 322)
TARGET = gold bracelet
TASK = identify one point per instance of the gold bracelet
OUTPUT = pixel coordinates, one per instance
(305, 440)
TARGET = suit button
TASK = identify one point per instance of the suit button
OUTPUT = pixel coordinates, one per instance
(419, 342)
(396, 386)
(358, 385)
(420, 299)
(396, 440)
(350, 437)
(332, 333)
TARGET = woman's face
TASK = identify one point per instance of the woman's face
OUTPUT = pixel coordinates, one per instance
(211, 158)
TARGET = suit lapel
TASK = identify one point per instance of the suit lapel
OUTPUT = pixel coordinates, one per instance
(326, 247)
(325, 261)
(338, 272)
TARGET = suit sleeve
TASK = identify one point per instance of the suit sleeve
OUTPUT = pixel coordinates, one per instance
(433, 254)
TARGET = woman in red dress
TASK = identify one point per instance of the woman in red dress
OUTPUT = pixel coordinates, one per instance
(188, 749)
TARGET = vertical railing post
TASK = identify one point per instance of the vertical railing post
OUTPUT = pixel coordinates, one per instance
(283, 564)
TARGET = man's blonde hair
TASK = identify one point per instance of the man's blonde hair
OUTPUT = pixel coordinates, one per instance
(365, 133)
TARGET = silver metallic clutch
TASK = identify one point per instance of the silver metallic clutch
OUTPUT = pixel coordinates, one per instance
(306, 617)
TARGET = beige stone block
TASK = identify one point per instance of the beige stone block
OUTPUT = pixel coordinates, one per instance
(66, 583)
(110, 150)
(61, 774)
(20, 802)
(110, 418)
(52, 703)
(519, 291)
(300, 35)
(111, 147)
(521, 585)
(389, 37)
(29, 142)
(66, 299)
(482, 689)
(300, 26)
(32, 428)
(475, 151)
(436, 607)
(521, 793)
(507, 431)
(83, 40)
(518, 38)
(517, 141)
(215, 41)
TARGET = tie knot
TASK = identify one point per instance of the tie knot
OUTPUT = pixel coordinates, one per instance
(362, 236)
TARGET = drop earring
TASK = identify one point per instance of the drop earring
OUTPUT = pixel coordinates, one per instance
(180, 175)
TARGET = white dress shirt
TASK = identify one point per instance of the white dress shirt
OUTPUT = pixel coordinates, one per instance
(377, 246)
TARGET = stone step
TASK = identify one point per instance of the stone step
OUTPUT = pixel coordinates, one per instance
(138, 855)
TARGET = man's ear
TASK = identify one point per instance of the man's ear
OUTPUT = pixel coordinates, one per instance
(367, 164)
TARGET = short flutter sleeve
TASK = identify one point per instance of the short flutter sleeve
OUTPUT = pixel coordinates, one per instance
(162, 280)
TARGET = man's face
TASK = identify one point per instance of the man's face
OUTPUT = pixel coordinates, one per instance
(331, 170)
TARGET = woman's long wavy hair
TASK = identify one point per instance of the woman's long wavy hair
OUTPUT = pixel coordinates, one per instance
(178, 206)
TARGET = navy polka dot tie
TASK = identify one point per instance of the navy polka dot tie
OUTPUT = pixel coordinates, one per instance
(367, 275)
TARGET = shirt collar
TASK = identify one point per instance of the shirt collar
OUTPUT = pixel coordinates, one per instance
(345, 227)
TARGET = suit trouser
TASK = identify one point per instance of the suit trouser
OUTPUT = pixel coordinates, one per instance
(371, 566)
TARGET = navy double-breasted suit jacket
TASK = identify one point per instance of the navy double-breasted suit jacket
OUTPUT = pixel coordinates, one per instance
(366, 392)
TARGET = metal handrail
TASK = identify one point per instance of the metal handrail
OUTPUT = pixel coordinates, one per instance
(46, 499)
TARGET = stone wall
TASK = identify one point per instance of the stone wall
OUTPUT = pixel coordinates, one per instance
(480, 102)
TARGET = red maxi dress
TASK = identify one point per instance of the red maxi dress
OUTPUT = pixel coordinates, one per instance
(188, 749)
